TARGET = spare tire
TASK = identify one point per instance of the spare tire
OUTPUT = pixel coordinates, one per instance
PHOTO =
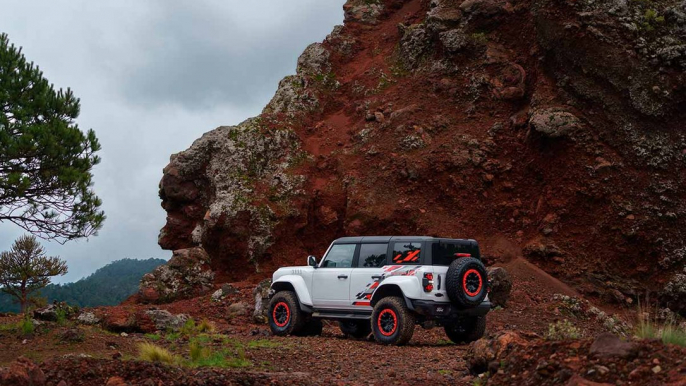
(466, 282)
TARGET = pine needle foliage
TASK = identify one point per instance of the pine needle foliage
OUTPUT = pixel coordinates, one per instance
(45, 159)
(25, 269)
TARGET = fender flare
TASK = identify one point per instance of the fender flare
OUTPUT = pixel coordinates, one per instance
(408, 286)
(298, 285)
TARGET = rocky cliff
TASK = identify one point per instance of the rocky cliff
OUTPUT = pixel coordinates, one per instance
(548, 129)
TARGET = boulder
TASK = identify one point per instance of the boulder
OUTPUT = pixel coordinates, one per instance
(501, 286)
(554, 123)
(118, 319)
(362, 11)
(674, 293)
(47, 313)
(485, 8)
(186, 274)
(116, 381)
(484, 351)
(165, 320)
(228, 289)
(88, 318)
(72, 335)
(453, 40)
(609, 345)
(443, 14)
(415, 44)
(261, 293)
(314, 61)
(238, 309)
(217, 295)
(22, 372)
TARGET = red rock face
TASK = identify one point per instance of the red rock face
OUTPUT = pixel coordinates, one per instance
(530, 124)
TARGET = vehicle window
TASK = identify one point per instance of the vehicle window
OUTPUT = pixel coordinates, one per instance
(339, 256)
(406, 253)
(372, 255)
(444, 253)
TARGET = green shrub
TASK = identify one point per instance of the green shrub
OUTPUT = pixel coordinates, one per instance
(562, 330)
(61, 316)
(26, 325)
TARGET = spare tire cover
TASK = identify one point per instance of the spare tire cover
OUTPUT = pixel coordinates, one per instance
(466, 282)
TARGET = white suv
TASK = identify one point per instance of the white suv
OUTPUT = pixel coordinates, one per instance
(385, 285)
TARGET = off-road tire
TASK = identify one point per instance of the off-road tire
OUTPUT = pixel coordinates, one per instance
(392, 322)
(468, 329)
(285, 316)
(312, 327)
(466, 282)
(357, 329)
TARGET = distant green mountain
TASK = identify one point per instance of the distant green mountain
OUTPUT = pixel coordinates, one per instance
(108, 286)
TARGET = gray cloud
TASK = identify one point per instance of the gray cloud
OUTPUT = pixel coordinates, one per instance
(152, 77)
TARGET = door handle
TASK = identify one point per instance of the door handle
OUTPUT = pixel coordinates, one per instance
(342, 276)
(376, 276)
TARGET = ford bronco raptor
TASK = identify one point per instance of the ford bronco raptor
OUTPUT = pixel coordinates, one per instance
(385, 285)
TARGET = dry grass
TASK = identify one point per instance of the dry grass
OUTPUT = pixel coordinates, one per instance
(152, 353)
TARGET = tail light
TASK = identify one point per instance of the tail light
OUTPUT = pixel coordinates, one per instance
(428, 282)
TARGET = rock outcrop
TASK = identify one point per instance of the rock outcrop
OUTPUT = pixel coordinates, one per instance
(261, 294)
(186, 274)
(555, 125)
(501, 286)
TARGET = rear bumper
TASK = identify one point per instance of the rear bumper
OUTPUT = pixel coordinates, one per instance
(436, 310)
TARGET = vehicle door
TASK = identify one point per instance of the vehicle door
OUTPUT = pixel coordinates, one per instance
(367, 273)
(331, 280)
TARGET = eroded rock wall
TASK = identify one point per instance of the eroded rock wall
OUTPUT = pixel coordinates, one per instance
(549, 129)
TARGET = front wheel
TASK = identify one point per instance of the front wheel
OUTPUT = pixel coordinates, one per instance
(285, 317)
(467, 329)
(392, 322)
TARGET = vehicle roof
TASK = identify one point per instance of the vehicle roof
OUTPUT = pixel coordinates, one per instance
(385, 239)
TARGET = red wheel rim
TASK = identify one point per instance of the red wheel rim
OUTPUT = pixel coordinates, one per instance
(281, 314)
(472, 282)
(387, 322)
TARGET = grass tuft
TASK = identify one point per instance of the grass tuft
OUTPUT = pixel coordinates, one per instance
(667, 333)
(205, 327)
(263, 343)
(152, 353)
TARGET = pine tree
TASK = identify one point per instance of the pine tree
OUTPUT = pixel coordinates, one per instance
(25, 269)
(45, 159)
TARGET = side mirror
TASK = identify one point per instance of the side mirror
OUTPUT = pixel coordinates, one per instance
(312, 261)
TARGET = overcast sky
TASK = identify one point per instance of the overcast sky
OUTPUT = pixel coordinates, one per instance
(153, 76)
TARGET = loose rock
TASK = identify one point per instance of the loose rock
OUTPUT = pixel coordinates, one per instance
(261, 293)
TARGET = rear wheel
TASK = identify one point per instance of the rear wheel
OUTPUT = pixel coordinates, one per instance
(392, 322)
(285, 317)
(467, 329)
(356, 328)
(466, 282)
